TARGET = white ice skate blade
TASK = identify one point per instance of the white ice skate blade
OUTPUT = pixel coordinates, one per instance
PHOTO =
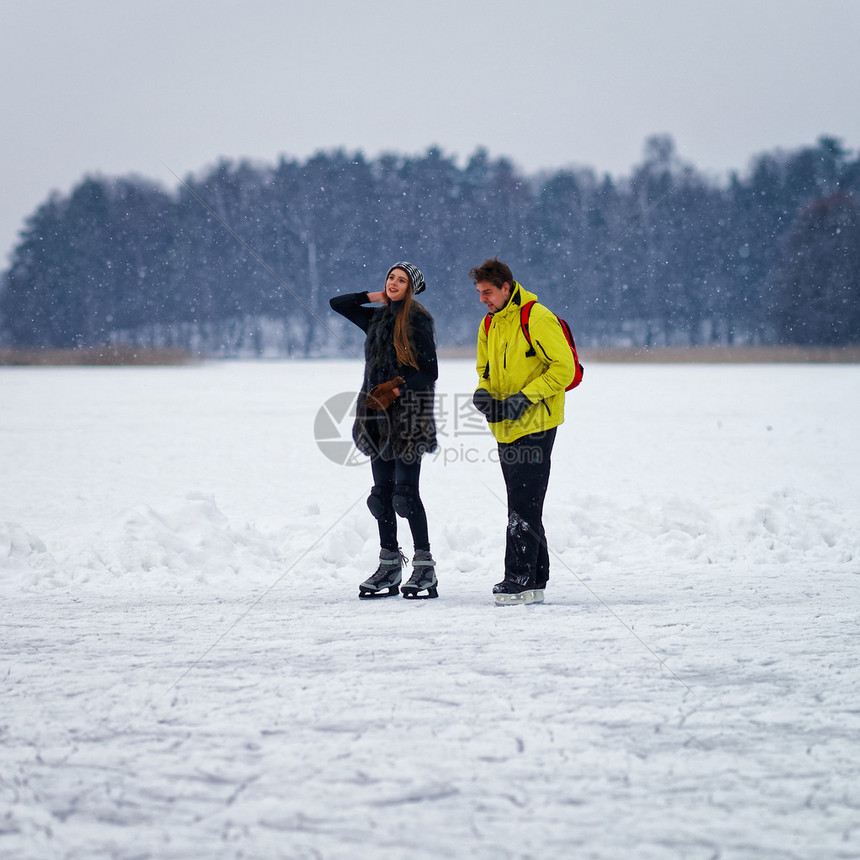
(367, 594)
(531, 595)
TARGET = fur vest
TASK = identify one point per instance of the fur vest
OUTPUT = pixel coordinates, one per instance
(407, 429)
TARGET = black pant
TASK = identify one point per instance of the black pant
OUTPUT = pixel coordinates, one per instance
(525, 467)
(395, 476)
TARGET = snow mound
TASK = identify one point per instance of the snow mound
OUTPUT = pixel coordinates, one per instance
(790, 524)
(189, 541)
(170, 545)
(21, 555)
(784, 527)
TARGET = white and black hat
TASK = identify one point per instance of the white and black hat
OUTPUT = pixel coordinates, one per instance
(415, 276)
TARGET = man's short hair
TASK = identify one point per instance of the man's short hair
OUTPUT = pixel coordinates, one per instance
(494, 271)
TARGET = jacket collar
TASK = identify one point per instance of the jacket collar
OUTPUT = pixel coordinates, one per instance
(516, 300)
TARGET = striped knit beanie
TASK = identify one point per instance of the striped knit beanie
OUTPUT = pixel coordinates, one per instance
(415, 276)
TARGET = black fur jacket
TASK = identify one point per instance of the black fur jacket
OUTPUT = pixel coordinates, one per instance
(407, 429)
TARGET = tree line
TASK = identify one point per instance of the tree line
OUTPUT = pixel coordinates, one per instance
(242, 259)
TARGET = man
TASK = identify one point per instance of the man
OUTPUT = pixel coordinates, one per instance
(521, 392)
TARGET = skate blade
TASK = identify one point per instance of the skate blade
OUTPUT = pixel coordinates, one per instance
(413, 593)
(367, 594)
(531, 595)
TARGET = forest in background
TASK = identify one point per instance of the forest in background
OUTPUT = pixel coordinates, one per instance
(242, 259)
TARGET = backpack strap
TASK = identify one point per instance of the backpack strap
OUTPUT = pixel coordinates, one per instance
(525, 312)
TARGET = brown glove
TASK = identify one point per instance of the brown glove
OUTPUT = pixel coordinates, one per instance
(383, 395)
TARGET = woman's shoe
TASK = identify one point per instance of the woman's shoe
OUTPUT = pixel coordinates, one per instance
(385, 581)
(423, 577)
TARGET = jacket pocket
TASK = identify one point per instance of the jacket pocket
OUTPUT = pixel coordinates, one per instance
(543, 351)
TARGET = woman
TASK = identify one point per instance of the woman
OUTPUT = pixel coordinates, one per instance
(394, 423)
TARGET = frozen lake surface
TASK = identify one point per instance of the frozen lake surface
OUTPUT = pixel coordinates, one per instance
(187, 671)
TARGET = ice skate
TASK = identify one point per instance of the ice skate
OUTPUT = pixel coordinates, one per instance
(423, 577)
(385, 582)
(509, 593)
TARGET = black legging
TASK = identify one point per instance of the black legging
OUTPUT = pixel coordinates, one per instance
(395, 484)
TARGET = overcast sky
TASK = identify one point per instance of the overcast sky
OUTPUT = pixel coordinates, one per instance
(122, 87)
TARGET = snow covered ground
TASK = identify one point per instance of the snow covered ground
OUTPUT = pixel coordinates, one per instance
(187, 671)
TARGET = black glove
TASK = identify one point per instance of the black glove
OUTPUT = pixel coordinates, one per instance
(513, 407)
(509, 409)
(484, 402)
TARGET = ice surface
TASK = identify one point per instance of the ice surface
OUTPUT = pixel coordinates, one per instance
(187, 671)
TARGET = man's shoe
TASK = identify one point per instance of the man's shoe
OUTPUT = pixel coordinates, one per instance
(509, 593)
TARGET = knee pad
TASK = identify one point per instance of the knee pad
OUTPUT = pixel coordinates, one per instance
(379, 502)
(405, 500)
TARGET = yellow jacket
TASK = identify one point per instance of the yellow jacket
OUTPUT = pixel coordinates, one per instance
(504, 368)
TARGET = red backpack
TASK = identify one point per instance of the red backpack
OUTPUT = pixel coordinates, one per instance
(525, 312)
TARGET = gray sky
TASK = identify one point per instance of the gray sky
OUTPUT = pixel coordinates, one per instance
(119, 88)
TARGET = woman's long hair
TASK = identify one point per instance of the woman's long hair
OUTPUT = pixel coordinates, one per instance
(402, 344)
